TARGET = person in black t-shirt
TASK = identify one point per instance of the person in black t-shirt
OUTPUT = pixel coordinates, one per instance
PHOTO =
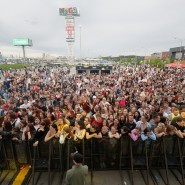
(93, 132)
(131, 123)
(124, 131)
(179, 126)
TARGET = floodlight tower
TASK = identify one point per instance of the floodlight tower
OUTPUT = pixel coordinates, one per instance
(70, 14)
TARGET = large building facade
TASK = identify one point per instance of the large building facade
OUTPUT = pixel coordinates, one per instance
(177, 53)
(94, 69)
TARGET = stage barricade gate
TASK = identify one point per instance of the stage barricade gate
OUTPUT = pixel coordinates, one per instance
(20, 152)
(48, 157)
(8, 154)
(7, 158)
(1, 155)
(155, 153)
(101, 154)
(56, 157)
(165, 153)
(73, 146)
(40, 159)
(139, 155)
(104, 153)
(126, 156)
(173, 157)
(157, 158)
(182, 145)
(180, 156)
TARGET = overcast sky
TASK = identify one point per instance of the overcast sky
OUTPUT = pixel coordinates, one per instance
(109, 27)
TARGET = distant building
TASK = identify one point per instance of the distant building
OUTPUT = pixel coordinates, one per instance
(156, 55)
(130, 56)
(165, 55)
(177, 53)
(140, 58)
(43, 55)
(147, 58)
(93, 69)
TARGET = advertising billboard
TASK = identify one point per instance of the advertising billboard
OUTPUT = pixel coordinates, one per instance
(22, 42)
(69, 11)
(70, 29)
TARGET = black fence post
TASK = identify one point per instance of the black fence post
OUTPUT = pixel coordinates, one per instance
(181, 161)
(91, 161)
(49, 162)
(83, 150)
(131, 161)
(165, 160)
(33, 166)
(68, 153)
(146, 161)
(60, 156)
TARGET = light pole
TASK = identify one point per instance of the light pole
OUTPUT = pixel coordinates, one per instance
(80, 27)
(145, 55)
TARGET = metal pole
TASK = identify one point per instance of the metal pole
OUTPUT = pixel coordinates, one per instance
(145, 55)
(23, 49)
(80, 42)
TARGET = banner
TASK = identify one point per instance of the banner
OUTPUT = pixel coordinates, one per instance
(70, 29)
(69, 11)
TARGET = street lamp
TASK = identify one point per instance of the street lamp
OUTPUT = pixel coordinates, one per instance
(145, 54)
(80, 27)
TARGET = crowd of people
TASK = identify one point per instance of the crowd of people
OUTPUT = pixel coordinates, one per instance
(141, 102)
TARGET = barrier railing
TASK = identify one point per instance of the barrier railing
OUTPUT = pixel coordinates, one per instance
(99, 154)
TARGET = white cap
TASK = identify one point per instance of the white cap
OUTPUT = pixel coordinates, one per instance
(94, 97)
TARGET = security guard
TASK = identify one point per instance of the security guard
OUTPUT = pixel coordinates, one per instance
(76, 175)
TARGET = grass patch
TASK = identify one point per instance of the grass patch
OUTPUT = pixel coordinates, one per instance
(13, 66)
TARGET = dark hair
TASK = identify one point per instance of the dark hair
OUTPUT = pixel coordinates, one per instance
(1, 120)
(31, 119)
(46, 121)
(77, 157)
(163, 119)
(154, 115)
(179, 119)
(42, 123)
(94, 126)
(139, 114)
(170, 129)
(24, 110)
(24, 122)
(146, 130)
(81, 124)
(55, 127)
(52, 117)
(31, 127)
(12, 115)
(50, 109)
(7, 126)
(146, 116)
(125, 129)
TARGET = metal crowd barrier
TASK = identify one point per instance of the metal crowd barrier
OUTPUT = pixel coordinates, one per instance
(166, 153)
(8, 155)
(8, 160)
